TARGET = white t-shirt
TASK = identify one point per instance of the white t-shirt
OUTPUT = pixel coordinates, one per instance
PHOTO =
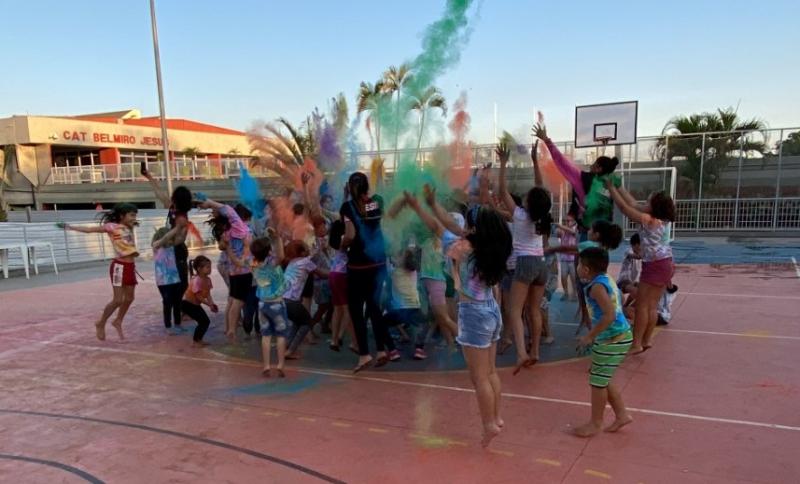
(526, 240)
(295, 276)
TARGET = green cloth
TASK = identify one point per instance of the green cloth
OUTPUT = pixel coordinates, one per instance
(598, 203)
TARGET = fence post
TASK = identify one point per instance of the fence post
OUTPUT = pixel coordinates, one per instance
(700, 183)
(66, 245)
(738, 184)
(778, 184)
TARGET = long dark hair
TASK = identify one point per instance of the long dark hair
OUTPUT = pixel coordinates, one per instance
(335, 235)
(491, 243)
(116, 214)
(610, 235)
(539, 205)
(219, 224)
(662, 207)
(358, 186)
(181, 200)
(197, 263)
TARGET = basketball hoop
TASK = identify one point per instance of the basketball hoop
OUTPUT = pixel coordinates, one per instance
(601, 125)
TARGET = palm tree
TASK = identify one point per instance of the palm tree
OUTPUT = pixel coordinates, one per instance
(725, 134)
(430, 98)
(370, 97)
(395, 78)
(340, 117)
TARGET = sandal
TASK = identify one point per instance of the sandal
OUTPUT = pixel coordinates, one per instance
(362, 366)
(267, 373)
(382, 361)
(281, 374)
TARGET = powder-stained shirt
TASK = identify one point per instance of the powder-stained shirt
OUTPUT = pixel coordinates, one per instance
(121, 239)
(467, 280)
(655, 239)
(620, 324)
(295, 277)
(270, 281)
(166, 267)
(198, 290)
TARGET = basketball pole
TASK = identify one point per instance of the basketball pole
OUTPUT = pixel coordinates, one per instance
(162, 115)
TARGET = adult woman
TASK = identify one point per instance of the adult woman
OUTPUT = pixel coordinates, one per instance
(529, 224)
(590, 199)
(366, 266)
(179, 205)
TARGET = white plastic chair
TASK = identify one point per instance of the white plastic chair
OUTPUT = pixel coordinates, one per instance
(4, 250)
(32, 246)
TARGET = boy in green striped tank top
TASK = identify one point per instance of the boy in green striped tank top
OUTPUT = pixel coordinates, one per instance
(610, 339)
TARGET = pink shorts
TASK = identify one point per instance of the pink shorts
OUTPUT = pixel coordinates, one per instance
(657, 272)
(338, 283)
(435, 290)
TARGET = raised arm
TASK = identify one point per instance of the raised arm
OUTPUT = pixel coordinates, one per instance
(630, 211)
(429, 220)
(396, 207)
(159, 192)
(440, 213)
(84, 230)
(277, 244)
(565, 167)
(537, 172)
(503, 154)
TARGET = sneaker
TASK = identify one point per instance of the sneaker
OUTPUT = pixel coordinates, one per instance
(394, 355)
(419, 354)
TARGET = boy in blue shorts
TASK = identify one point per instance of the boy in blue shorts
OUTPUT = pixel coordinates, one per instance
(610, 339)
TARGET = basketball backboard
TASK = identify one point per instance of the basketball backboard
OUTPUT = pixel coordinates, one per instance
(606, 124)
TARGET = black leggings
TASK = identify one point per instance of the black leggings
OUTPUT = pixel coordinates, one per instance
(197, 313)
(364, 287)
(171, 296)
(250, 318)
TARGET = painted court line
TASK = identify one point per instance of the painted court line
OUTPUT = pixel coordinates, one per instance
(416, 384)
(796, 267)
(743, 335)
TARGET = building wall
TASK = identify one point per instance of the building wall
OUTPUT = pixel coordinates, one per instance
(34, 163)
(79, 132)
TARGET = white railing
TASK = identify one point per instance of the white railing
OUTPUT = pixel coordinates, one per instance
(70, 247)
(182, 169)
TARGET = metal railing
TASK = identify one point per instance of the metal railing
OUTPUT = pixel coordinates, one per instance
(182, 169)
(70, 246)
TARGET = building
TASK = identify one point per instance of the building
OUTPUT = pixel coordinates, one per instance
(78, 161)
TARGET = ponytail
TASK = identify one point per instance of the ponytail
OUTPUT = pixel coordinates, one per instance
(197, 263)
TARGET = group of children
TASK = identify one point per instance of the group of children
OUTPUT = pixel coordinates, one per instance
(486, 268)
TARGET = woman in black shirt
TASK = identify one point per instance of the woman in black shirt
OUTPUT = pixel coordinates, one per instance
(366, 267)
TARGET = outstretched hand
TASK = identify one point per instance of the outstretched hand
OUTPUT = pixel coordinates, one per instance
(410, 199)
(430, 194)
(540, 131)
(535, 152)
(503, 152)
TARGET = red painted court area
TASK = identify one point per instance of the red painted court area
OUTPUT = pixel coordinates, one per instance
(714, 401)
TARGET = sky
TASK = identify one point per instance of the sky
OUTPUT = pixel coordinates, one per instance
(235, 62)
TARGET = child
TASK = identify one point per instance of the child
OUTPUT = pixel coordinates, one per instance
(227, 226)
(404, 302)
(118, 223)
(168, 280)
(198, 293)
(628, 279)
(269, 277)
(550, 287)
(567, 236)
(298, 267)
(322, 289)
(610, 339)
(602, 234)
(479, 262)
(657, 266)
(337, 280)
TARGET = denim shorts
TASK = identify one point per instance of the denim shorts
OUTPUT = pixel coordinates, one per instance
(531, 269)
(275, 320)
(479, 323)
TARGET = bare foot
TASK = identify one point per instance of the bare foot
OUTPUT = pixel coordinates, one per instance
(489, 433)
(635, 350)
(266, 373)
(586, 430)
(118, 327)
(200, 344)
(100, 330)
(619, 423)
(500, 422)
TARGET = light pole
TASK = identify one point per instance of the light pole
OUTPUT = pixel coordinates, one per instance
(164, 140)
